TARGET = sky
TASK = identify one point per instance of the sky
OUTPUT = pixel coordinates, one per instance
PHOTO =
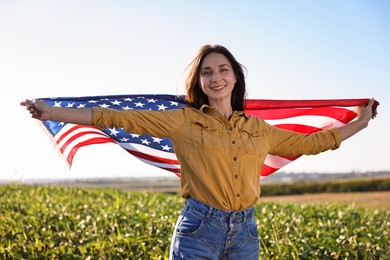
(291, 50)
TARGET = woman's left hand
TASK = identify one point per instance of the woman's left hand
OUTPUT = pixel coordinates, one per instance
(364, 114)
(367, 112)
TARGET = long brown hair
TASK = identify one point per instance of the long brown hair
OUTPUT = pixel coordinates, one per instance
(195, 95)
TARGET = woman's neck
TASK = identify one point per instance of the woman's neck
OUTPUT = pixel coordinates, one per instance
(224, 108)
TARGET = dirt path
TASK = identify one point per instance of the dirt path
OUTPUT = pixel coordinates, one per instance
(372, 200)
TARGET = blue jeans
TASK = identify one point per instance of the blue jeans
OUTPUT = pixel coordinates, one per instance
(203, 232)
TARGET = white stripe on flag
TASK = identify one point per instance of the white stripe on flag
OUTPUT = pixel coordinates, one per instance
(276, 161)
(313, 121)
(148, 150)
(84, 137)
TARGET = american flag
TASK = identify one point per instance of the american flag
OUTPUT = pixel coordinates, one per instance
(305, 116)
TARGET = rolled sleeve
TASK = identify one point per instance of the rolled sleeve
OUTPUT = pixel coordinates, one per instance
(336, 137)
(289, 143)
(98, 118)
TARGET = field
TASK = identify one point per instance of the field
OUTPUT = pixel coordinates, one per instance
(40, 222)
(368, 200)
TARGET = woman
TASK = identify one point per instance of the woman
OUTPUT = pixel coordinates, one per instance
(221, 152)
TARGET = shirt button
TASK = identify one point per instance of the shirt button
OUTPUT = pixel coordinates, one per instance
(234, 158)
(233, 142)
(238, 195)
(236, 176)
(230, 128)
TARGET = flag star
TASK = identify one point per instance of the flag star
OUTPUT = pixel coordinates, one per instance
(57, 104)
(126, 108)
(139, 104)
(166, 147)
(113, 131)
(92, 101)
(152, 100)
(161, 107)
(173, 103)
(144, 141)
(81, 106)
(128, 99)
(116, 102)
(104, 105)
(124, 139)
(156, 140)
(134, 136)
(70, 105)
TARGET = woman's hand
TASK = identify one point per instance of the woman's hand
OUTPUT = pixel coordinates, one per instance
(364, 115)
(38, 109)
(42, 111)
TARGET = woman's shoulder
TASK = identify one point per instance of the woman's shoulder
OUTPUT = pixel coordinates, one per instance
(254, 122)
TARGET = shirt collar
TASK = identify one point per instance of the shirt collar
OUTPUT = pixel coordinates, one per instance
(207, 109)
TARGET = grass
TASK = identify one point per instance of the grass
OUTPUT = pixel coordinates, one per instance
(40, 222)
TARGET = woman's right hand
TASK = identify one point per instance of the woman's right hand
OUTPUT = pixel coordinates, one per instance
(37, 108)
(42, 111)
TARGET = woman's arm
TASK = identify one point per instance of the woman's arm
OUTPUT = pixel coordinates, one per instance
(365, 114)
(42, 111)
(288, 143)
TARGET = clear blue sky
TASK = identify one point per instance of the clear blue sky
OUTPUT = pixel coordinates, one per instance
(291, 49)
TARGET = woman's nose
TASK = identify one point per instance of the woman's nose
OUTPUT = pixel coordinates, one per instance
(215, 77)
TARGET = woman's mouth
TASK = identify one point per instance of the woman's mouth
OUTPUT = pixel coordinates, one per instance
(217, 87)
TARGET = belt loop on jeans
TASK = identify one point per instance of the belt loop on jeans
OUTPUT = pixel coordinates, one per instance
(210, 212)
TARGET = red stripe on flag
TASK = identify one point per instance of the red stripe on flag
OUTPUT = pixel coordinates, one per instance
(305, 129)
(153, 158)
(78, 135)
(96, 140)
(69, 131)
(341, 114)
(158, 160)
(254, 104)
(267, 170)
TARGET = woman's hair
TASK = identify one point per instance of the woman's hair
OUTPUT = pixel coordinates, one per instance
(195, 95)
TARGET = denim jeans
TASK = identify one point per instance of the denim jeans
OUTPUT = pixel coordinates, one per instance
(203, 232)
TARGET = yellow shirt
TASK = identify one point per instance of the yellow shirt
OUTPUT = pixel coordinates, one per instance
(220, 159)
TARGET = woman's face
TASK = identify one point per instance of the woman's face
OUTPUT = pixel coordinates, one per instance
(217, 77)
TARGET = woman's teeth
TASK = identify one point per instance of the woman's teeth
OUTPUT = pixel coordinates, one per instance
(218, 87)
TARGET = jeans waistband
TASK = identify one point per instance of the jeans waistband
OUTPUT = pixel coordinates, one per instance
(228, 217)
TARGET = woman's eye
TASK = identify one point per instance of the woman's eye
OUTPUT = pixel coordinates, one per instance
(206, 73)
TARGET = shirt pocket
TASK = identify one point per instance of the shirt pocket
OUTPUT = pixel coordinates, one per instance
(206, 134)
(253, 140)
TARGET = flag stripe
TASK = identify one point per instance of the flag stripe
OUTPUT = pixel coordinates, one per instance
(344, 114)
(313, 121)
(84, 134)
(71, 137)
(85, 140)
(276, 161)
(97, 140)
(167, 156)
(154, 160)
(264, 104)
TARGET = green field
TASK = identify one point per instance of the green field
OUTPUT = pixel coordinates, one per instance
(42, 222)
